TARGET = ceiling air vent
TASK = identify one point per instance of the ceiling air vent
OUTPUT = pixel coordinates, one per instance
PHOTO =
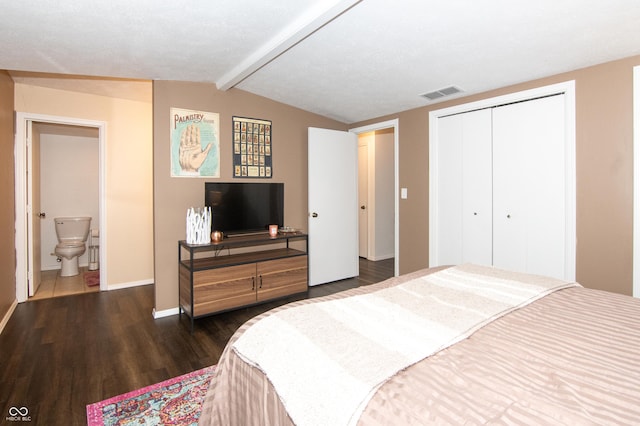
(441, 93)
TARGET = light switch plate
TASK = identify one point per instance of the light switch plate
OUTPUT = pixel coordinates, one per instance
(403, 193)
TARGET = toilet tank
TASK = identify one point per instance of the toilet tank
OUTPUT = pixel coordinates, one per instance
(72, 228)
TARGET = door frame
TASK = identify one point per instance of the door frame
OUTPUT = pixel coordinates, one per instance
(395, 124)
(636, 182)
(22, 195)
(568, 88)
(363, 169)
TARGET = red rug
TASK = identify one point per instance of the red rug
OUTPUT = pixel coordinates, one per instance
(92, 278)
(177, 401)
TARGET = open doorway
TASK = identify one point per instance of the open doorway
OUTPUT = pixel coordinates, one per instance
(378, 192)
(65, 183)
(375, 193)
(80, 142)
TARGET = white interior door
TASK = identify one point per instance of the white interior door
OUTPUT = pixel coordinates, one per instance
(33, 208)
(363, 190)
(477, 206)
(533, 158)
(447, 180)
(464, 210)
(529, 181)
(333, 205)
(501, 187)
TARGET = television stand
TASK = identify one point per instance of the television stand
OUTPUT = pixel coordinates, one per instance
(213, 279)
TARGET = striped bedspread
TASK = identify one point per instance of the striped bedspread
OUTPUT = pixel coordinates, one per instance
(347, 348)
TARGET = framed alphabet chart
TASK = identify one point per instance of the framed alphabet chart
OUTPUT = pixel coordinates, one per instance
(252, 148)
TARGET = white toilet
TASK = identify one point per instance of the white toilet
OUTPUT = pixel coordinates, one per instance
(72, 234)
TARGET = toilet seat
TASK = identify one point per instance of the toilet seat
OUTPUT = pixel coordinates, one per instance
(68, 249)
(70, 244)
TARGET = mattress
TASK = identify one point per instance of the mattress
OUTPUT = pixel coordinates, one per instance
(570, 357)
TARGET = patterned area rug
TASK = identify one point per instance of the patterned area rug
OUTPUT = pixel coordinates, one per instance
(176, 401)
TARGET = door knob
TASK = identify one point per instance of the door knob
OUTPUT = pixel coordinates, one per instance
(314, 214)
(43, 215)
(362, 207)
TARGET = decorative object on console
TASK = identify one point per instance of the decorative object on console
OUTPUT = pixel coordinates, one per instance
(198, 225)
(273, 230)
(217, 236)
(252, 148)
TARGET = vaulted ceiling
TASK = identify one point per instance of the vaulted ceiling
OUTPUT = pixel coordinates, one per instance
(345, 59)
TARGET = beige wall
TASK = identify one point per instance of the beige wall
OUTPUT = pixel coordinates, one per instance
(384, 194)
(128, 172)
(172, 196)
(604, 157)
(7, 212)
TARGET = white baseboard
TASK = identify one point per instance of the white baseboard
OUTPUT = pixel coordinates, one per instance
(382, 257)
(165, 313)
(6, 317)
(129, 284)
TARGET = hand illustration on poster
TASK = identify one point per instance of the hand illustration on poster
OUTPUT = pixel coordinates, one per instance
(191, 153)
(195, 147)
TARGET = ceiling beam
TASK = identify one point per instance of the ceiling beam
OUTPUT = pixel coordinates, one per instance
(292, 34)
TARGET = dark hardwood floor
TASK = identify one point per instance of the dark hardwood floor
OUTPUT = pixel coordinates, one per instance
(58, 355)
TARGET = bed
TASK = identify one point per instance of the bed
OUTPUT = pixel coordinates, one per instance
(499, 348)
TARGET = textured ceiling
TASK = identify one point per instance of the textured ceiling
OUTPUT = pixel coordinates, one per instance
(348, 60)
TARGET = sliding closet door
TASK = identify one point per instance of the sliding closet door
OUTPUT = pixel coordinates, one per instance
(529, 186)
(464, 210)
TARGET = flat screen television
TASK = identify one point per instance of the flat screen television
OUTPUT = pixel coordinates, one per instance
(241, 208)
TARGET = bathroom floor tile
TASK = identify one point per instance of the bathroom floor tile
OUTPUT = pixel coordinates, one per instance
(45, 290)
(53, 285)
(68, 285)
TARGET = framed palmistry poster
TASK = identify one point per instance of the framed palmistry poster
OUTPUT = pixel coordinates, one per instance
(195, 147)
(252, 148)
